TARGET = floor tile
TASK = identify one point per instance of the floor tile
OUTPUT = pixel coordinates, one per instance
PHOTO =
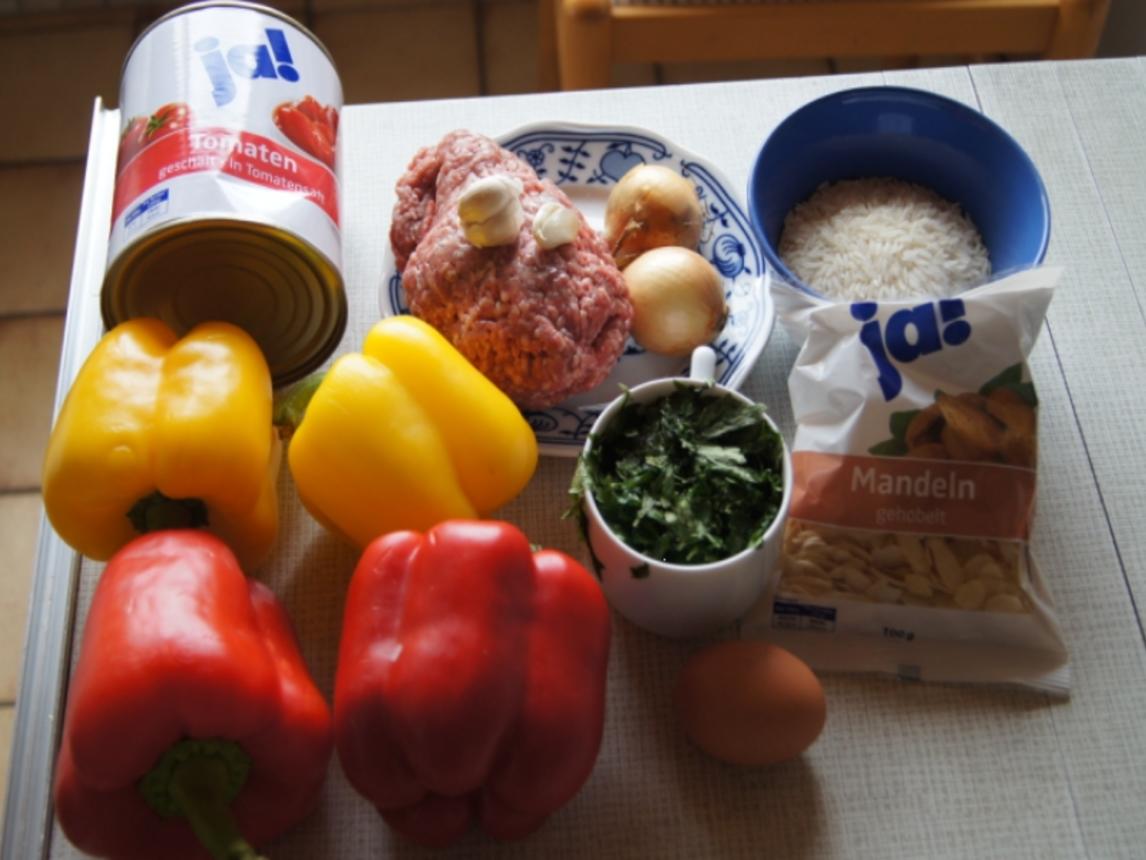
(147, 13)
(1125, 31)
(19, 532)
(29, 361)
(321, 6)
(7, 725)
(51, 120)
(39, 210)
(509, 45)
(41, 6)
(295, 8)
(633, 75)
(427, 51)
(78, 15)
(856, 65)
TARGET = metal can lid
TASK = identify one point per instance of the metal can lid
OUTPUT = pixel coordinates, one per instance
(276, 287)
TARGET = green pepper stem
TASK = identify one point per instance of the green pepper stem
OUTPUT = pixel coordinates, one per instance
(198, 787)
(198, 779)
(290, 406)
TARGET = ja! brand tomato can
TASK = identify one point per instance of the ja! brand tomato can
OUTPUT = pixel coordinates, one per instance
(226, 192)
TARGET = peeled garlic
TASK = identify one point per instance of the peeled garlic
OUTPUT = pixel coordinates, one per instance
(490, 211)
(555, 225)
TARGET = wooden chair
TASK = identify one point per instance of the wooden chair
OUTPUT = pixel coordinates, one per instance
(582, 39)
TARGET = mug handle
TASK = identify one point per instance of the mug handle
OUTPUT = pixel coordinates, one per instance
(703, 365)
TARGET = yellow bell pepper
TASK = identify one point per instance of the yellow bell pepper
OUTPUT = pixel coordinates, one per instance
(404, 435)
(161, 432)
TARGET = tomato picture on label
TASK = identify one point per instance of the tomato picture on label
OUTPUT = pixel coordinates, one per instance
(141, 131)
(170, 117)
(131, 141)
(320, 113)
(311, 126)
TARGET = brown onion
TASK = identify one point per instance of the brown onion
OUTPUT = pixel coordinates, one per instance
(678, 300)
(652, 206)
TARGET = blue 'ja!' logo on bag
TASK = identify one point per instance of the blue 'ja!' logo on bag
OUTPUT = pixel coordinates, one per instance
(910, 333)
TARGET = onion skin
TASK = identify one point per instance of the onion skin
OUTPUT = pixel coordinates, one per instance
(651, 207)
(678, 300)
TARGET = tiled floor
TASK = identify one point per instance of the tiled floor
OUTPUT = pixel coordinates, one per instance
(52, 67)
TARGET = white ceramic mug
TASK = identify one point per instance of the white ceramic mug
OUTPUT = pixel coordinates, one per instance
(680, 600)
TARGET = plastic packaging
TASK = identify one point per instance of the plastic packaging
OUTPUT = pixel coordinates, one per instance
(915, 462)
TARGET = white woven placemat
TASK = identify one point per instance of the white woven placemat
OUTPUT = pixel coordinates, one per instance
(902, 771)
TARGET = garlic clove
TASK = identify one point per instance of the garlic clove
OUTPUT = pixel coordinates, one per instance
(555, 225)
(490, 210)
(486, 197)
(500, 230)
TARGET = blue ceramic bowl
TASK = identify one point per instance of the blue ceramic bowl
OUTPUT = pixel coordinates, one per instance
(906, 134)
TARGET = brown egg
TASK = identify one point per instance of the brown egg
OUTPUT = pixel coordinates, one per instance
(750, 703)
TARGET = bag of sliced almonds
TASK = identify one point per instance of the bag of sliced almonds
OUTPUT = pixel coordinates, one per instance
(915, 461)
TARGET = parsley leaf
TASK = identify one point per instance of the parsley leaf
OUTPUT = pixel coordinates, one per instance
(690, 478)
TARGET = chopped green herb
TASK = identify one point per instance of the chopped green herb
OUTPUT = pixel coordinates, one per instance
(690, 478)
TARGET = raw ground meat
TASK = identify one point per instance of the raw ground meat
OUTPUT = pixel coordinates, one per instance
(542, 325)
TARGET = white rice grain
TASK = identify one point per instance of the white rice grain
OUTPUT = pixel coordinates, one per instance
(881, 239)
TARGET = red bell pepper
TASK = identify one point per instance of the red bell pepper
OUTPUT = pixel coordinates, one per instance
(190, 712)
(471, 680)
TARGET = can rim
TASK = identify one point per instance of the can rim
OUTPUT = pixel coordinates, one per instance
(226, 4)
(334, 289)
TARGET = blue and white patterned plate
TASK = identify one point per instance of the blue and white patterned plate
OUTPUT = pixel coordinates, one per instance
(586, 162)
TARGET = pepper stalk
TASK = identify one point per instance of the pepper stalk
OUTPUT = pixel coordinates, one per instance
(198, 780)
